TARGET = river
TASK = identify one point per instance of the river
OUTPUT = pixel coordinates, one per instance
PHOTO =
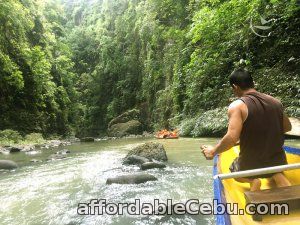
(49, 192)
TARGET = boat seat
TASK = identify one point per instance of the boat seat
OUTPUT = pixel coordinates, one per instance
(289, 195)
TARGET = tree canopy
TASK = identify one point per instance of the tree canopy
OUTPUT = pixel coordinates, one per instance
(70, 66)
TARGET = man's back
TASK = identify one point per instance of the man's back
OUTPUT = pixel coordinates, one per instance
(257, 120)
(262, 135)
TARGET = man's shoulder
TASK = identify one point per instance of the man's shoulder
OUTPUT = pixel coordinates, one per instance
(271, 98)
(236, 104)
(238, 107)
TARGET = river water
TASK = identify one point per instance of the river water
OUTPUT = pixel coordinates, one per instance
(49, 192)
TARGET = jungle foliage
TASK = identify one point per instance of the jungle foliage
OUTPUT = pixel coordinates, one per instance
(71, 66)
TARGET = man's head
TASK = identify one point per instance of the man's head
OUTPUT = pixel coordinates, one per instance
(240, 80)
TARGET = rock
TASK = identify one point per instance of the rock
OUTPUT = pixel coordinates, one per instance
(55, 157)
(63, 152)
(127, 128)
(45, 146)
(87, 139)
(131, 179)
(64, 143)
(135, 160)
(147, 134)
(152, 165)
(125, 124)
(150, 150)
(2, 151)
(8, 165)
(28, 148)
(54, 143)
(133, 114)
(35, 160)
(211, 123)
(39, 145)
(73, 139)
(57, 143)
(295, 132)
(102, 139)
(12, 149)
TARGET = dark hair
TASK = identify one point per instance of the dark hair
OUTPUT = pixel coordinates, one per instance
(241, 78)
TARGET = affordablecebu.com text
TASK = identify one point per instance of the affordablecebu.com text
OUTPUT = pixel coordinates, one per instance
(191, 207)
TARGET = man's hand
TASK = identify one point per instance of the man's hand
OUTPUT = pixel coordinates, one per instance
(208, 151)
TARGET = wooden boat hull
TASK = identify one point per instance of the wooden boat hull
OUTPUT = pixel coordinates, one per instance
(230, 191)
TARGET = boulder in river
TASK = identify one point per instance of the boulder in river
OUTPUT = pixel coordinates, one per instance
(152, 165)
(150, 150)
(131, 179)
(8, 165)
(135, 160)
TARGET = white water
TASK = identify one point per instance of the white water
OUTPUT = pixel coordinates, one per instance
(49, 192)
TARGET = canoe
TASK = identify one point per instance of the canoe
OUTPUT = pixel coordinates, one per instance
(231, 191)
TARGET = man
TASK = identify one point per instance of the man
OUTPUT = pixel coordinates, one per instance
(258, 122)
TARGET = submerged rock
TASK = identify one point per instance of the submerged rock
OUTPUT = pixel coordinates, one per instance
(8, 165)
(63, 152)
(135, 160)
(131, 179)
(55, 157)
(152, 165)
(150, 150)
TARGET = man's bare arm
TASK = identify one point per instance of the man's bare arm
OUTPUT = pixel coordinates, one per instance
(232, 136)
(287, 126)
(234, 130)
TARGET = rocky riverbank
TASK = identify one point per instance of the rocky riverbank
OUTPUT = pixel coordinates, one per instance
(213, 123)
(6, 149)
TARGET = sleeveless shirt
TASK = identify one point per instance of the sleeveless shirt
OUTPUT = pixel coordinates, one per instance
(262, 137)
